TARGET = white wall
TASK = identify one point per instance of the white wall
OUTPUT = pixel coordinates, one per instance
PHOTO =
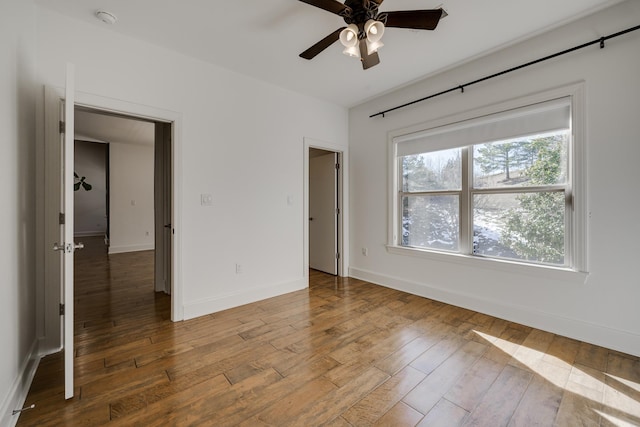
(241, 141)
(90, 207)
(604, 310)
(131, 198)
(17, 210)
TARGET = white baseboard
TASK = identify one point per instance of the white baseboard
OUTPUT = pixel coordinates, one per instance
(20, 388)
(131, 248)
(213, 305)
(615, 339)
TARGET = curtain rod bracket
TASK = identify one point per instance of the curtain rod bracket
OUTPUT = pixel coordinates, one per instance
(461, 89)
(601, 42)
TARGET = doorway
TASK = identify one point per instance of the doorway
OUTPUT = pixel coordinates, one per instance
(324, 211)
(49, 318)
(332, 183)
(135, 177)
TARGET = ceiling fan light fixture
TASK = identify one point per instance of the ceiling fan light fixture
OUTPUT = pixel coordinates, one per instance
(374, 30)
(366, 26)
(349, 36)
(353, 51)
(372, 47)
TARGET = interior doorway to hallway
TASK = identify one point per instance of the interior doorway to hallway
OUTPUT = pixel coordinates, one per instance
(125, 196)
(324, 210)
(56, 298)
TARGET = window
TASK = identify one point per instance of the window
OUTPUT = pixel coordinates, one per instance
(498, 186)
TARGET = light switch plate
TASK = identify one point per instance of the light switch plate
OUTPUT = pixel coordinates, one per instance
(206, 199)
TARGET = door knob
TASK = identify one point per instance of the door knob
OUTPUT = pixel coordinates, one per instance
(67, 248)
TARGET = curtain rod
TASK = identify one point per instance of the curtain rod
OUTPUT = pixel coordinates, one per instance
(461, 87)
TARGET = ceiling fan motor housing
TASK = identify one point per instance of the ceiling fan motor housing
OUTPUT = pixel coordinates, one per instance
(358, 12)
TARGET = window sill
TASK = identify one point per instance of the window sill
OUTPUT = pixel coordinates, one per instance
(540, 271)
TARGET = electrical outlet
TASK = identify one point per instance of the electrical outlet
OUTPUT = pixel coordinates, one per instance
(238, 269)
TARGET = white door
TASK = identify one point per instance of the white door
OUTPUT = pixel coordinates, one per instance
(66, 245)
(323, 212)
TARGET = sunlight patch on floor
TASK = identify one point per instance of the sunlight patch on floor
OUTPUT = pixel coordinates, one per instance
(628, 383)
(607, 391)
(615, 420)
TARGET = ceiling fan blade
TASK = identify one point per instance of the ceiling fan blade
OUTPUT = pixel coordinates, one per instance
(332, 6)
(368, 61)
(322, 44)
(416, 19)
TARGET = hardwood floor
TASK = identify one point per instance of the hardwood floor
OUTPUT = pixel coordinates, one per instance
(342, 353)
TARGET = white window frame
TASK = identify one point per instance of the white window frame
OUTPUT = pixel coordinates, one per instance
(576, 220)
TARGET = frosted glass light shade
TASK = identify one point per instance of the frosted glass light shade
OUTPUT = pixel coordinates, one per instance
(352, 51)
(349, 36)
(374, 30)
(373, 47)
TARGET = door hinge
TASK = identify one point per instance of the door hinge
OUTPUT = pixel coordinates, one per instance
(338, 211)
(61, 218)
(62, 126)
(61, 309)
(338, 255)
(337, 165)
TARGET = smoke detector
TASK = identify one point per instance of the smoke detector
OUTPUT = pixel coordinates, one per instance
(106, 17)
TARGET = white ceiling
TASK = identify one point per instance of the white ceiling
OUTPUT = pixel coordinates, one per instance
(262, 38)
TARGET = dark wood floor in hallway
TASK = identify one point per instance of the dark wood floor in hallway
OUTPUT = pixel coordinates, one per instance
(342, 353)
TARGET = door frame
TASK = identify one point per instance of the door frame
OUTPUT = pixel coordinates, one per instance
(323, 198)
(48, 317)
(343, 197)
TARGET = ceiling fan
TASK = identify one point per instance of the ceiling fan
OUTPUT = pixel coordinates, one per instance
(365, 26)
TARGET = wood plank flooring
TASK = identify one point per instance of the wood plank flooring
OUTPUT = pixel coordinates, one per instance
(342, 353)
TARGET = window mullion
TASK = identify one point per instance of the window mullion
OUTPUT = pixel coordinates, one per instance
(466, 229)
(430, 193)
(520, 190)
